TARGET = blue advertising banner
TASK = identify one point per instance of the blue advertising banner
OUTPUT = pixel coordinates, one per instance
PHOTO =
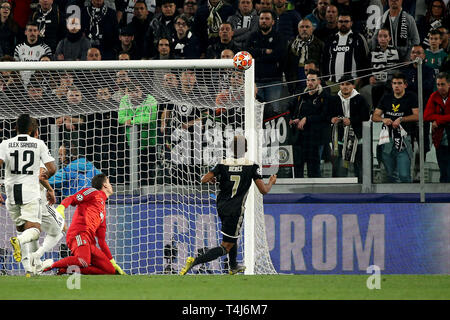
(400, 238)
(303, 238)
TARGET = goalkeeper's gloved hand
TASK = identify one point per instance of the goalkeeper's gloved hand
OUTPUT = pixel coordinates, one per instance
(60, 209)
(116, 266)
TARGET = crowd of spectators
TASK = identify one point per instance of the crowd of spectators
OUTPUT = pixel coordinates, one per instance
(300, 47)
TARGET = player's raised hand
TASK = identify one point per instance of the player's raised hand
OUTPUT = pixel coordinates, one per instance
(51, 198)
(273, 179)
(60, 209)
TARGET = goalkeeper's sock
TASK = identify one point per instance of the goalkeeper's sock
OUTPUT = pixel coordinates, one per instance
(210, 255)
(232, 255)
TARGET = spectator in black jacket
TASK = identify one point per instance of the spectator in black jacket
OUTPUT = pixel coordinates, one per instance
(244, 21)
(9, 30)
(99, 24)
(126, 10)
(51, 23)
(287, 20)
(269, 49)
(161, 26)
(185, 43)
(140, 24)
(347, 115)
(305, 46)
(127, 44)
(207, 21)
(309, 121)
(330, 27)
(226, 41)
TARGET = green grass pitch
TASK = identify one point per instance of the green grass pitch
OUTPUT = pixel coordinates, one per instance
(225, 287)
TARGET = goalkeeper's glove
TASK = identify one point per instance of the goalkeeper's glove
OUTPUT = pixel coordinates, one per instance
(116, 266)
(60, 209)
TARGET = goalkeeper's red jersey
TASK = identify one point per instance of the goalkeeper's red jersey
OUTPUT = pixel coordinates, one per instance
(90, 214)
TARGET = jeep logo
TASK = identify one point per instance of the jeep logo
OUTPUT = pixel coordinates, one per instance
(341, 49)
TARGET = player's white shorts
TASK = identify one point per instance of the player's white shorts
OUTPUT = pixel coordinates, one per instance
(21, 213)
(52, 221)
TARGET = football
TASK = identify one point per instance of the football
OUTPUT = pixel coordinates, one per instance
(242, 60)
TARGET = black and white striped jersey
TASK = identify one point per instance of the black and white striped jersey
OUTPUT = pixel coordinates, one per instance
(382, 59)
(345, 54)
(31, 52)
(22, 156)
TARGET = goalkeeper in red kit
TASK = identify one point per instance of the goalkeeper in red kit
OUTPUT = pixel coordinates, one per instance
(88, 223)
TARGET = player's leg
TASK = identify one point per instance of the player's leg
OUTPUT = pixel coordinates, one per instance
(81, 250)
(100, 264)
(28, 217)
(24, 253)
(234, 266)
(53, 225)
(231, 228)
(27, 252)
(231, 225)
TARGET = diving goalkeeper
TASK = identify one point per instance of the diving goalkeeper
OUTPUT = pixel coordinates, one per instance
(88, 223)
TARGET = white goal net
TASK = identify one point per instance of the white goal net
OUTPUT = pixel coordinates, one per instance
(154, 127)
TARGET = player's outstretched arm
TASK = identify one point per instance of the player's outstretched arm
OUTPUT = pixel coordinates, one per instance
(44, 182)
(101, 239)
(264, 188)
(51, 169)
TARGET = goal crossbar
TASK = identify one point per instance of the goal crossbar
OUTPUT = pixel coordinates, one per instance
(117, 64)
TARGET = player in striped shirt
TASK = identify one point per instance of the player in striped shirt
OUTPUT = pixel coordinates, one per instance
(52, 223)
(22, 156)
(88, 223)
(32, 49)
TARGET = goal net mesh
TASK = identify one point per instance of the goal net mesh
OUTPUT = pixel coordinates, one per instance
(154, 132)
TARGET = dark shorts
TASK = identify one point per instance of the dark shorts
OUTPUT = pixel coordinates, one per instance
(231, 226)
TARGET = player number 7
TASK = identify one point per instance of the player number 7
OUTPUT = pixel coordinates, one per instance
(236, 179)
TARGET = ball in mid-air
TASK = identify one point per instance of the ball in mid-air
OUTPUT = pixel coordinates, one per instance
(242, 60)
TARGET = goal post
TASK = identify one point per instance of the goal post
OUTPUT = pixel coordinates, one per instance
(154, 127)
(251, 135)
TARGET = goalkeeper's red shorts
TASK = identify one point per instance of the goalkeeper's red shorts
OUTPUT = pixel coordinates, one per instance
(88, 253)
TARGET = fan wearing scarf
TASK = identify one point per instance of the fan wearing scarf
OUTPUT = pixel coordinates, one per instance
(208, 19)
(305, 46)
(347, 116)
(402, 27)
(401, 113)
(50, 22)
(99, 24)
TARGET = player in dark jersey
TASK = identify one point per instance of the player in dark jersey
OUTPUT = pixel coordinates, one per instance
(235, 177)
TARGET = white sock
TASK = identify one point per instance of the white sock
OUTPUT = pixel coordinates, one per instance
(48, 244)
(28, 235)
(34, 245)
(25, 257)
